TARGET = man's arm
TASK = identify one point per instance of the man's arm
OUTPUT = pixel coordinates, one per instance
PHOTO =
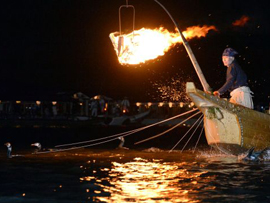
(231, 77)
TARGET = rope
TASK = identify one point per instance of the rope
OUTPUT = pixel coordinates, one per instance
(198, 140)
(183, 137)
(72, 148)
(116, 138)
(192, 133)
(167, 130)
(128, 132)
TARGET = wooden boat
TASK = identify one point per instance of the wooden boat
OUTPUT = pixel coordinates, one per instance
(229, 127)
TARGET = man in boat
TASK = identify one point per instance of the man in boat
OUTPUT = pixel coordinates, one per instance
(236, 81)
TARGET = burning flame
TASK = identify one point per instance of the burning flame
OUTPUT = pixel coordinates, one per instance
(241, 22)
(146, 44)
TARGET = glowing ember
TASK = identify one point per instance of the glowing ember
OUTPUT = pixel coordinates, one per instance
(172, 89)
(241, 22)
(146, 44)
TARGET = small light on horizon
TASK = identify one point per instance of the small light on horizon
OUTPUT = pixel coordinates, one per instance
(54, 103)
(181, 104)
(18, 102)
(38, 102)
(160, 104)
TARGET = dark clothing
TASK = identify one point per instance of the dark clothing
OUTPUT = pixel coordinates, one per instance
(235, 78)
(9, 152)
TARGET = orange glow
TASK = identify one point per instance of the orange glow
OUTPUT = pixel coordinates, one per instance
(87, 178)
(241, 22)
(144, 181)
(106, 107)
(146, 44)
(181, 104)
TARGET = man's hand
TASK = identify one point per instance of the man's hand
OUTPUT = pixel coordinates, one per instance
(216, 93)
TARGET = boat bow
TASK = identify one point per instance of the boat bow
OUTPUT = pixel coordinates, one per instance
(230, 127)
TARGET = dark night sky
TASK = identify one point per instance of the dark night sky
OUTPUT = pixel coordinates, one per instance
(49, 46)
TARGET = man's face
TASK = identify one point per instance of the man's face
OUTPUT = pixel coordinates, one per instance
(227, 60)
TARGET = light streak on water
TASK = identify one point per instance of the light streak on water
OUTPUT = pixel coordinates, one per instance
(133, 176)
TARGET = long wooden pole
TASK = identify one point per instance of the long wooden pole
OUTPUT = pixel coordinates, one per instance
(198, 70)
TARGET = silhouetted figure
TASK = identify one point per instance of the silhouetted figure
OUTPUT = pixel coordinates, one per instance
(125, 104)
(9, 149)
(102, 105)
(94, 108)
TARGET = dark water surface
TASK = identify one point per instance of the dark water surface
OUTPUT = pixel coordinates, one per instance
(132, 176)
(135, 175)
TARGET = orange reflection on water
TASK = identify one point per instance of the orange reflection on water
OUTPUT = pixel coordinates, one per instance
(87, 178)
(146, 181)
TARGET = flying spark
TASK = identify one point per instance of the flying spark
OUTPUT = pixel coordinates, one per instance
(241, 22)
(172, 89)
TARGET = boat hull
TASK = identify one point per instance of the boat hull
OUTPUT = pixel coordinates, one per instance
(229, 127)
